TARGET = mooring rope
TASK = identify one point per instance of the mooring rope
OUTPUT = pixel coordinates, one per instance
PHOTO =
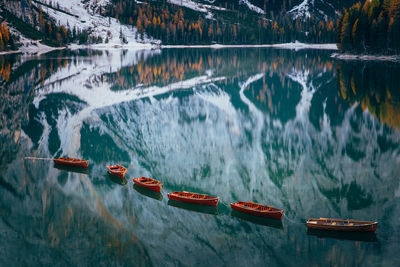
(38, 158)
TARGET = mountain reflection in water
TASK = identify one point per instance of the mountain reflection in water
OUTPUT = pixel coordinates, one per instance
(296, 130)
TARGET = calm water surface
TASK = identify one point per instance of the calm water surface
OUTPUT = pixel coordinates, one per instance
(297, 130)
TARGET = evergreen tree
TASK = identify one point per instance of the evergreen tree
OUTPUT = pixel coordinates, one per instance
(345, 33)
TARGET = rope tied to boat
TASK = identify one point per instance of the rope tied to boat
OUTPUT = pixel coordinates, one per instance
(38, 158)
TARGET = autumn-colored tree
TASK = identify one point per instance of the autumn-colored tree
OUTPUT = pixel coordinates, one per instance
(1, 42)
(5, 32)
(42, 23)
(210, 31)
(373, 28)
(275, 27)
(139, 24)
(394, 9)
(174, 24)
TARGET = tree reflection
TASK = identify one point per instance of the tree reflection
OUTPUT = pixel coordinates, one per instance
(374, 86)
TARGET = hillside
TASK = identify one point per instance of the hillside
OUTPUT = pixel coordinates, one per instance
(230, 22)
(140, 23)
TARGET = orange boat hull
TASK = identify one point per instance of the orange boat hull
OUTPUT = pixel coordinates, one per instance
(152, 187)
(212, 201)
(348, 226)
(79, 163)
(274, 214)
(119, 172)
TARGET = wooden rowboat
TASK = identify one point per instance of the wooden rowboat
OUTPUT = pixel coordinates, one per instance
(258, 209)
(117, 170)
(80, 163)
(148, 183)
(342, 225)
(194, 198)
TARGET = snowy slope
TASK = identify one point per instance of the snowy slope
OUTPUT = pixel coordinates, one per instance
(321, 9)
(85, 16)
(302, 10)
(203, 8)
(207, 8)
(296, 9)
(29, 46)
(252, 7)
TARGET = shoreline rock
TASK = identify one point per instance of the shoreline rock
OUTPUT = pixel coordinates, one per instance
(366, 57)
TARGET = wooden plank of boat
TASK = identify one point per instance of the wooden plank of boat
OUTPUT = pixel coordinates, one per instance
(148, 183)
(194, 198)
(342, 225)
(80, 163)
(117, 170)
(258, 209)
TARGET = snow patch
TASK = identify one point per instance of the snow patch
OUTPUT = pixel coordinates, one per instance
(298, 45)
(197, 6)
(394, 58)
(302, 10)
(295, 46)
(252, 7)
(30, 47)
(189, 4)
(316, 8)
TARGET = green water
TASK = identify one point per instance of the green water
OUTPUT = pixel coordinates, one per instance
(297, 130)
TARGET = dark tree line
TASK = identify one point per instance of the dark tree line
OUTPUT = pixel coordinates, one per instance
(45, 28)
(7, 41)
(176, 25)
(372, 27)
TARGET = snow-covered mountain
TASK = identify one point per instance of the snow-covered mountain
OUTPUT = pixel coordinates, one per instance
(321, 9)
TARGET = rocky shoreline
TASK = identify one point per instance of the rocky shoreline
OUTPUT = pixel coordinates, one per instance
(365, 57)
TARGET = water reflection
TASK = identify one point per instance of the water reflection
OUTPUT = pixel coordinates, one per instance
(374, 87)
(117, 180)
(71, 169)
(257, 220)
(297, 130)
(193, 207)
(148, 193)
(364, 237)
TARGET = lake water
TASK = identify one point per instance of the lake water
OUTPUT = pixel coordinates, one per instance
(297, 130)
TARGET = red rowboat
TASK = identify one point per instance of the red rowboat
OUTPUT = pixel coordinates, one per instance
(117, 170)
(194, 198)
(258, 209)
(80, 163)
(148, 183)
(342, 225)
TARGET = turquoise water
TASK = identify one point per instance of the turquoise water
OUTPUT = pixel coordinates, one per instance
(297, 130)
